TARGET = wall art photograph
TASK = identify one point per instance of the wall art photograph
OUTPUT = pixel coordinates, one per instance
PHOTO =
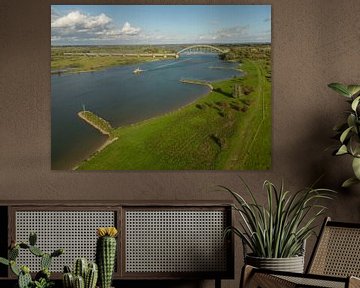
(161, 87)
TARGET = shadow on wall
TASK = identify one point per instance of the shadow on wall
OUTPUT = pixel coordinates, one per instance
(333, 169)
(311, 157)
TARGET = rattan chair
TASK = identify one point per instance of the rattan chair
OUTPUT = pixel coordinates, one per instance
(334, 263)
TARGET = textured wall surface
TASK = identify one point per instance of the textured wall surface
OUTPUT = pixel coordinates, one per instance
(314, 42)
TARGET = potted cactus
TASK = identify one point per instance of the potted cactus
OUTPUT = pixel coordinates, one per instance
(106, 254)
(84, 275)
(42, 278)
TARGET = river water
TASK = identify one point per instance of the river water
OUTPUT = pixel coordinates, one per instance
(123, 98)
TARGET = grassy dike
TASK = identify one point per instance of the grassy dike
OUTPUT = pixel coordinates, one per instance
(77, 64)
(215, 132)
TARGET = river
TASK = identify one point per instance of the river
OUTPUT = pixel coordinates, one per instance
(123, 98)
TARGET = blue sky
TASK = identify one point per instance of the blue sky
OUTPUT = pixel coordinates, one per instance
(159, 24)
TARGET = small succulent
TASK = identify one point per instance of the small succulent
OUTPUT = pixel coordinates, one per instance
(42, 283)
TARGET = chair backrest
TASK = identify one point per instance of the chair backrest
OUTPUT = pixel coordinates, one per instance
(337, 251)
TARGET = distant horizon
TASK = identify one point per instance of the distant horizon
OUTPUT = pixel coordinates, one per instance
(94, 25)
(162, 44)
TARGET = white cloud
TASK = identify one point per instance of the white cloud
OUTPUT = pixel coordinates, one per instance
(235, 34)
(128, 30)
(77, 20)
(77, 26)
(231, 33)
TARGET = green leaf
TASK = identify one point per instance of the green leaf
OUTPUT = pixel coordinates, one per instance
(342, 150)
(345, 134)
(4, 261)
(356, 167)
(14, 268)
(354, 145)
(340, 88)
(353, 89)
(349, 182)
(355, 103)
(351, 120)
(340, 127)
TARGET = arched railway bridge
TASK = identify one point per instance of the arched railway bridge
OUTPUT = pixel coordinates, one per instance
(193, 49)
(202, 48)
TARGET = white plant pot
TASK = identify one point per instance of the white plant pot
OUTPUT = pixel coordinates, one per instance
(291, 264)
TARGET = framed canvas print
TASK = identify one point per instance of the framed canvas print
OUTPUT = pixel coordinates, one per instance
(161, 87)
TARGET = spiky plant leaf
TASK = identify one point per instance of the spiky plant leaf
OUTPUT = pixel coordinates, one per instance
(280, 228)
(340, 88)
(349, 182)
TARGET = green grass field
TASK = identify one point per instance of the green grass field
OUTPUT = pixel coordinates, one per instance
(76, 63)
(216, 132)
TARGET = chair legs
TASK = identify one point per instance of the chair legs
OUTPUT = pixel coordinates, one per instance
(354, 282)
(251, 279)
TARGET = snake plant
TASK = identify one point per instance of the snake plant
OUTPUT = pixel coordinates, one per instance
(349, 131)
(280, 228)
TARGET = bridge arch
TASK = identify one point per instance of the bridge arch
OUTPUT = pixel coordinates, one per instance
(202, 46)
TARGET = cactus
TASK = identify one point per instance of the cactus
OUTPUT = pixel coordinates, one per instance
(79, 282)
(24, 278)
(24, 246)
(36, 251)
(13, 253)
(90, 272)
(32, 238)
(80, 267)
(68, 280)
(105, 254)
(57, 252)
(91, 276)
(45, 261)
(43, 274)
(67, 269)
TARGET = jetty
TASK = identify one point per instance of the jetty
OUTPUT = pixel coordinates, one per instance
(97, 122)
(197, 82)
